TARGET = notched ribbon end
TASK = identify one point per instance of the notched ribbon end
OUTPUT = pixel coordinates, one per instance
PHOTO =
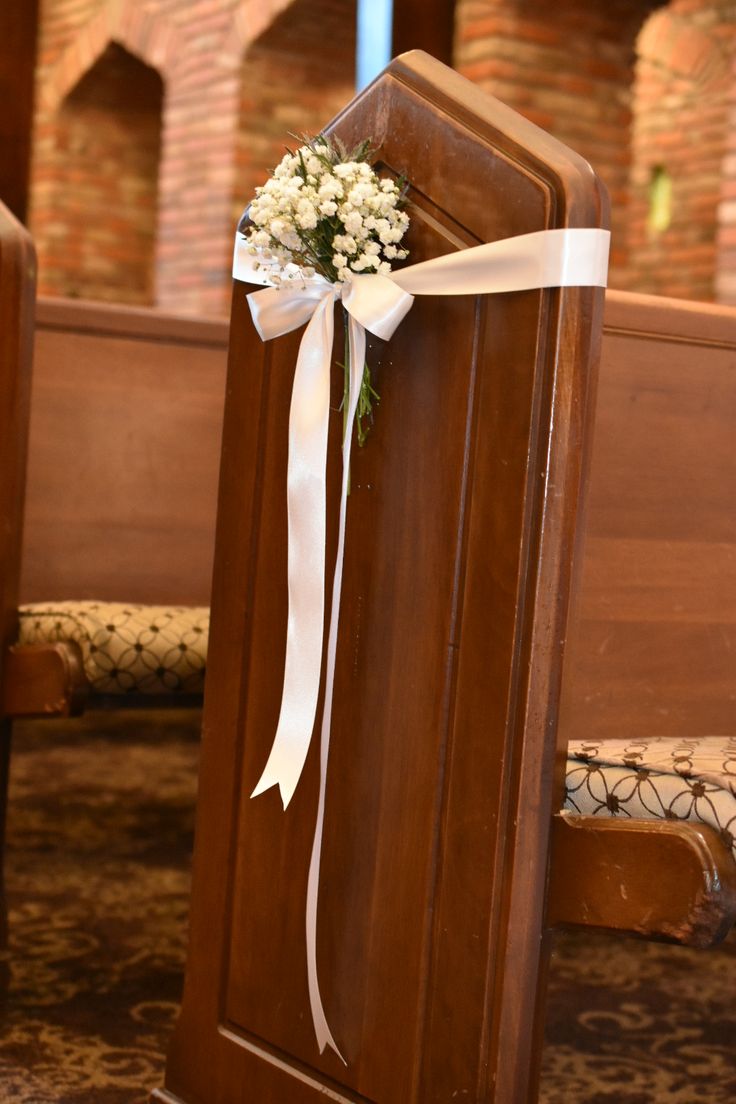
(327, 1041)
(267, 780)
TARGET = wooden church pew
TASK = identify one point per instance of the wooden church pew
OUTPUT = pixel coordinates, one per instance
(124, 450)
(652, 640)
(125, 410)
(17, 294)
(651, 648)
(445, 866)
(112, 347)
(123, 457)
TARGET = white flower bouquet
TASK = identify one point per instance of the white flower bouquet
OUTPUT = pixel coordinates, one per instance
(326, 212)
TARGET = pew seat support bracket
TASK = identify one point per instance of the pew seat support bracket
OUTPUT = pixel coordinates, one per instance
(44, 680)
(601, 878)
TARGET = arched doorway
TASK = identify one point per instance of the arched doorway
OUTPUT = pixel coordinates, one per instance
(95, 184)
(680, 110)
(295, 77)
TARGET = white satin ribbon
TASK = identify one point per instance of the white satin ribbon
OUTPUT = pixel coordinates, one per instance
(546, 258)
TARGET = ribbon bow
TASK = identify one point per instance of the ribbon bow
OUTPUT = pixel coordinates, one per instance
(546, 258)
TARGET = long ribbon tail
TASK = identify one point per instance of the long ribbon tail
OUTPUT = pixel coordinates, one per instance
(306, 494)
(321, 1027)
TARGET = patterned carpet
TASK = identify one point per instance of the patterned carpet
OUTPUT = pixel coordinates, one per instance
(97, 875)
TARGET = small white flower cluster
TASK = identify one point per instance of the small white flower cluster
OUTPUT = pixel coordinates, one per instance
(327, 211)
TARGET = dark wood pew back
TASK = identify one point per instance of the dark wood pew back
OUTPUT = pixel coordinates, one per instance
(17, 291)
(652, 645)
(124, 452)
(460, 521)
(125, 438)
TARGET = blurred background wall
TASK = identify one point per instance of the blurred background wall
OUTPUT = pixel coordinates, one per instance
(153, 120)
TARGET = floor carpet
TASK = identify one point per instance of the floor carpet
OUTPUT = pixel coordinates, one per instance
(99, 840)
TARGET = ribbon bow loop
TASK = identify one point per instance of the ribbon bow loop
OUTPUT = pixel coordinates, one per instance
(277, 311)
(377, 303)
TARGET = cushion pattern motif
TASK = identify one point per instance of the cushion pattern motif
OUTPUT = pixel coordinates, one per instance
(127, 648)
(659, 778)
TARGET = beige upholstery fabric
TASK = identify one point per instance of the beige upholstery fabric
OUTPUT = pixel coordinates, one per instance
(127, 648)
(661, 778)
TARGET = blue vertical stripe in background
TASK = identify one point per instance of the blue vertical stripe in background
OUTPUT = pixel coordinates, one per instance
(374, 39)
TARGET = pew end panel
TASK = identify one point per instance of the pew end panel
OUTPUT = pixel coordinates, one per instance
(460, 526)
(17, 297)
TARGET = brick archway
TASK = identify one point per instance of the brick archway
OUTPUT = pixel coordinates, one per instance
(680, 109)
(252, 18)
(96, 190)
(569, 69)
(670, 40)
(295, 76)
(153, 38)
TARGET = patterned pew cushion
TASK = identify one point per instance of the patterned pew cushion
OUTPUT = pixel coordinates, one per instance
(127, 649)
(661, 778)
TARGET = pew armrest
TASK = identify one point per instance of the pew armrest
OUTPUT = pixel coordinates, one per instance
(44, 680)
(660, 879)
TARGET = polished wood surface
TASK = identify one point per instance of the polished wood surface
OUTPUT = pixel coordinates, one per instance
(461, 518)
(17, 290)
(124, 454)
(659, 879)
(44, 680)
(652, 648)
(18, 35)
(427, 25)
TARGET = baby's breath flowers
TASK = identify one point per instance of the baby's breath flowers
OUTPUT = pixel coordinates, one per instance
(326, 211)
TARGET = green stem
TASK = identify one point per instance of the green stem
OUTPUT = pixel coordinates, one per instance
(367, 396)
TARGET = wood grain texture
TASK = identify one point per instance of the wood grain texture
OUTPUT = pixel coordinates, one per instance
(18, 34)
(427, 25)
(44, 680)
(17, 288)
(659, 879)
(17, 291)
(124, 454)
(460, 527)
(652, 648)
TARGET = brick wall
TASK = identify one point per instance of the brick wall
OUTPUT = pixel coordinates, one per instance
(95, 196)
(569, 68)
(239, 74)
(634, 90)
(294, 79)
(725, 282)
(210, 55)
(680, 119)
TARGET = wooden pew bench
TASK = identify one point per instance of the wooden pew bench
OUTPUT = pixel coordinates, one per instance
(445, 867)
(120, 507)
(641, 644)
(648, 705)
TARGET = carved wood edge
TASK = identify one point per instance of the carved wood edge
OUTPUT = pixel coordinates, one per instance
(658, 879)
(44, 680)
